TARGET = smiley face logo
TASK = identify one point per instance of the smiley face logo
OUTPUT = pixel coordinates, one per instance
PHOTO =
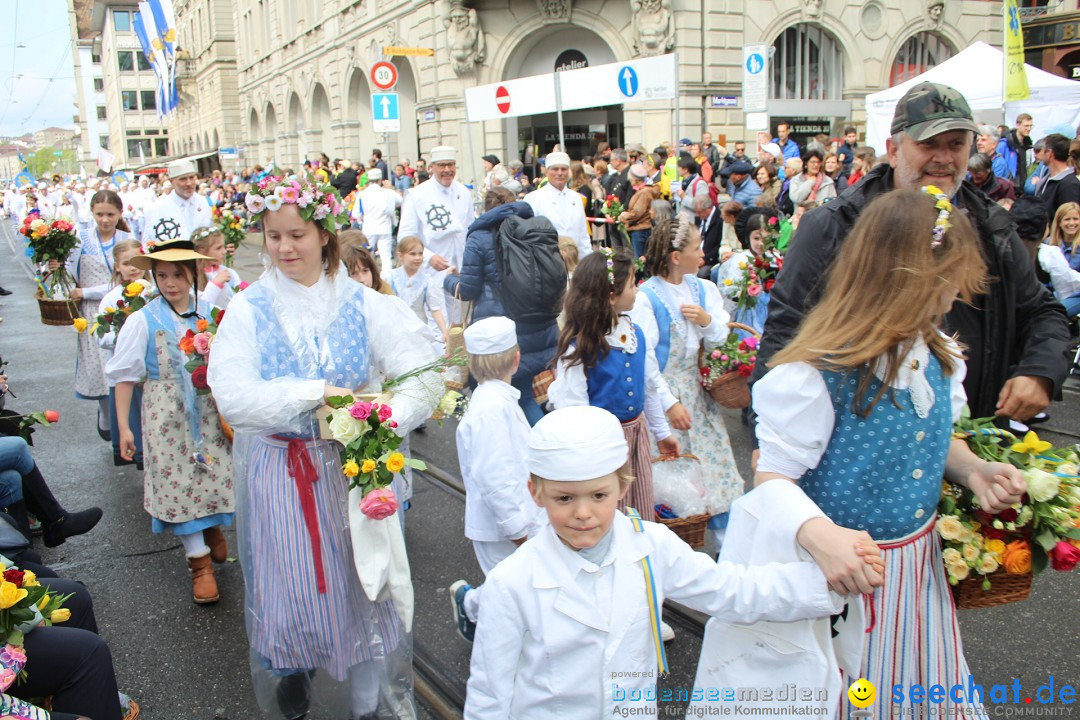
(862, 693)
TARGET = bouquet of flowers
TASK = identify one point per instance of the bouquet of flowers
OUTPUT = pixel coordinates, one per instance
(113, 318)
(612, 209)
(726, 368)
(759, 273)
(195, 344)
(52, 241)
(233, 228)
(1042, 530)
(369, 451)
(24, 604)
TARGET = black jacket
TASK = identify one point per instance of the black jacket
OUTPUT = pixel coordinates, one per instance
(620, 186)
(711, 238)
(1018, 328)
(345, 181)
(1056, 192)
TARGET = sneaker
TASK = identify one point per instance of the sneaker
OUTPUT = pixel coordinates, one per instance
(667, 633)
(466, 628)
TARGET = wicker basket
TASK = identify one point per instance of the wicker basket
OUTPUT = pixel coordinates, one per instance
(692, 528)
(540, 384)
(1004, 588)
(731, 390)
(59, 313)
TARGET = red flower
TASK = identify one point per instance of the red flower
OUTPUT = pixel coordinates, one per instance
(609, 198)
(217, 318)
(52, 416)
(992, 533)
(745, 370)
(198, 378)
(704, 372)
(119, 304)
(14, 576)
(1064, 556)
(1007, 515)
(769, 284)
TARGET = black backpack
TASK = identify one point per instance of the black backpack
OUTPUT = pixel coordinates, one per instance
(532, 274)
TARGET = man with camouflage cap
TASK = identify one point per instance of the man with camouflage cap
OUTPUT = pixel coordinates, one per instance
(1016, 335)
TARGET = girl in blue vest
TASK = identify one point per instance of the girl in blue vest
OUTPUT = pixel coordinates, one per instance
(678, 312)
(188, 470)
(602, 361)
(858, 411)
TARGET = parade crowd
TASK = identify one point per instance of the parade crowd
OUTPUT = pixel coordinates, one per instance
(885, 296)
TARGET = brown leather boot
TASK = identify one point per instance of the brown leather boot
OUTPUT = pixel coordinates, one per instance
(215, 540)
(204, 586)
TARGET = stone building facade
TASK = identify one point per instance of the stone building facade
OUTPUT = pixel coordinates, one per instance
(303, 66)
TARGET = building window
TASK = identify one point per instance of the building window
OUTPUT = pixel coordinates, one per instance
(149, 100)
(151, 132)
(126, 60)
(103, 141)
(99, 85)
(144, 64)
(161, 147)
(134, 146)
(129, 99)
(95, 59)
(808, 64)
(920, 53)
(101, 113)
(121, 21)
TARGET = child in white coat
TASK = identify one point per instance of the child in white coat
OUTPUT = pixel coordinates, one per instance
(499, 514)
(571, 621)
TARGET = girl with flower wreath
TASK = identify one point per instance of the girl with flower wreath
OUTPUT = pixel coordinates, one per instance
(216, 282)
(92, 264)
(857, 414)
(188, 471)
(678, 312)
(328, 603)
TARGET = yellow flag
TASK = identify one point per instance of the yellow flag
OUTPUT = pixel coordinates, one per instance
(1016, 84)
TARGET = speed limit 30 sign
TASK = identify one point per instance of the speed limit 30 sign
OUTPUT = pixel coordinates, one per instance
(384, 75)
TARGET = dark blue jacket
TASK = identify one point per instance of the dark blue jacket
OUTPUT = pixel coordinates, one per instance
(478, 280)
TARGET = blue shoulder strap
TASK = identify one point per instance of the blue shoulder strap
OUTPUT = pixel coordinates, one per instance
(651, 597)
(663, 324)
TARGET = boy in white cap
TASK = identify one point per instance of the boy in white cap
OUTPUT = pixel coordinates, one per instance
(499, 514)
(570, 624)
(560, 203)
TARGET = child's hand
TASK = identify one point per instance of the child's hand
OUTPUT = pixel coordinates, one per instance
(127, 444)
(230, 248)
(221, 278)
(668, 446)
(696, 314)
(871, 555)
(998, 486)
(834, 549)
(678, 416)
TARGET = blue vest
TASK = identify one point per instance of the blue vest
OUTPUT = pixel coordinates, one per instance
(882, 473)
(159, 316)
(617, 381)
(663, 315)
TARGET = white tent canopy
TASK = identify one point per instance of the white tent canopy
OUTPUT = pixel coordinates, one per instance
(978, 73)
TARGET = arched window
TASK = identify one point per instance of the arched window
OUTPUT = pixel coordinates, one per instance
(807, 64)
(920, 53)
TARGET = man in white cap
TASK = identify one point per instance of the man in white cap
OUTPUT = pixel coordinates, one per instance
(374, 210)
(575, 591)
(179, 213)
(560, 204)
(439, 212)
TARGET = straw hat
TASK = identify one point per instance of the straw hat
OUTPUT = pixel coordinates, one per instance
(171, 251)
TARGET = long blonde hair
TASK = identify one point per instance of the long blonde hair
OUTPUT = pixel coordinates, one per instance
(886, 288)
(1057, 233)
(119, 248)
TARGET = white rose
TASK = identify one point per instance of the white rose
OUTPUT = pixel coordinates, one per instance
(950, 527)
(971, 553)
(344, 427)
(951, 556)
(987, 564)
(1042, 486)
(959, 571)
(1068, 468)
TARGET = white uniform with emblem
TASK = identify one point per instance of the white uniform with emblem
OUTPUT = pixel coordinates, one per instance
(171, 216)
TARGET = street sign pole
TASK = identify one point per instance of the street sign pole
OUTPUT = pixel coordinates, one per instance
(678, 105)
(558, 112)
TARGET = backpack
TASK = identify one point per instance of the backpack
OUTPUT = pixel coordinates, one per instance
(714, 192)
(532, 273)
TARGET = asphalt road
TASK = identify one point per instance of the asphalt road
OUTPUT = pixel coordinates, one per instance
(186, 662)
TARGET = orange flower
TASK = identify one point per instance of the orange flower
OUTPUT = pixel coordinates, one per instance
(1017, 558)
(201, 324)
(187, 345)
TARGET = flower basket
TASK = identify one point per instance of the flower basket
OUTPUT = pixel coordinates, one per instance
(1005, 588)
(59, 313)
(692, 527)
(731, 390)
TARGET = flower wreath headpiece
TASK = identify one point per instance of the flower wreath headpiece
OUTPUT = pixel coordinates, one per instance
(204, 232)
(944, 207)
(609, 254)
(316, 202)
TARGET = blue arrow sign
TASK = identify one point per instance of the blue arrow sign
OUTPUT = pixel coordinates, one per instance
(755, 64)
(628, 81)
(384, 106)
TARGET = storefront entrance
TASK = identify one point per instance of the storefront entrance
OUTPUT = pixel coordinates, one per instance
(583, 130)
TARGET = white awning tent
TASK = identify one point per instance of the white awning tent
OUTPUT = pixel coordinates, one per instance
(978, 73)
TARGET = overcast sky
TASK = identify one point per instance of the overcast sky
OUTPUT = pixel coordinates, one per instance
(37, 82)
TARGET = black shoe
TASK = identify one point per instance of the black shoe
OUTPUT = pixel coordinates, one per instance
(104, 435)
(119, 461)
(4, 292)
(56, 532)
(293, 695)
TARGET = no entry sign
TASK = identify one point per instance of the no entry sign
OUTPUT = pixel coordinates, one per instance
(502, 99)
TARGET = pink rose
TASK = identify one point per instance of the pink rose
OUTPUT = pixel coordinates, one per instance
(379, 504)
(753, 290)
(772, 220)
(360, 410)
(1064, 556)
(384, 413)
(7, 679)
(202, 343)
(290, 195)
(751, 342)
(393, 424)
(716, 354)
(244, 285)
(725, 358)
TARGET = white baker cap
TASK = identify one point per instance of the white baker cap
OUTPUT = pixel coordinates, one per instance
(556, 159)
(180, 168)
(490, 336)
(577, 443)
(443, 153)
(374, 174)
(773, 149)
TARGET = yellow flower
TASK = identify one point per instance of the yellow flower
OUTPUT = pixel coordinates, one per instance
(728, 282)
(10, 594)
(351, 469)
(368, 466)
(60, 616)
(1031, 444)
(742, 265)
(43, 601)
(996, 547)
(133, 289)
(395, 462)
(933, 190)
(80, 324)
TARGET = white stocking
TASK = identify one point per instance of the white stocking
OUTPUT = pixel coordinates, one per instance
(364, 688)
(194, 545)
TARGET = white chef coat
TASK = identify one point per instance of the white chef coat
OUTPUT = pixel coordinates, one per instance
(555, 626)
(440, 216)
(172, 217)
(490, 439)
(565, 211)
(376, 206)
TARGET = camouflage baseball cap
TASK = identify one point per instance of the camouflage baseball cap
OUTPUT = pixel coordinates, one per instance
(929, 109)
